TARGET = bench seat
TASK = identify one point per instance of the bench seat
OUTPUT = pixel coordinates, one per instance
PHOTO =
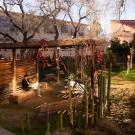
(21, 96)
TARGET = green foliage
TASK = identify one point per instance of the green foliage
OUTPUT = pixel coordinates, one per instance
(117, 47)
(70, 63)
(130, 76)
(127, 76)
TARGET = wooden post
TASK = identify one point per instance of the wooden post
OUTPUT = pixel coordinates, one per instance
(14, 70)
(82, 63)
(131, 57)
(58, 64)
(128, 64)
(76, 59)
(37, 70)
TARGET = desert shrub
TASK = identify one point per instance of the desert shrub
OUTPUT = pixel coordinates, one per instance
(109, 127)
(93, 131)
(62, 132)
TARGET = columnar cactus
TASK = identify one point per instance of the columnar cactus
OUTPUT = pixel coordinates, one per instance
(71, 108)
(100, 95)
(86, 106)
(109, 85)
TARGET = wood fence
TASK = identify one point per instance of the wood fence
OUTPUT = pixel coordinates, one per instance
(6, 75)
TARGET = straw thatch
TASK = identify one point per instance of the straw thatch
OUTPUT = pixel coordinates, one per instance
(51, 43)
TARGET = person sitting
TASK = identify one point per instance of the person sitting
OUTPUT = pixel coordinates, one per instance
(36, 88)
(25, 83)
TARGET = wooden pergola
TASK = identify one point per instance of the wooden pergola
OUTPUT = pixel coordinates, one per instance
(70, 43)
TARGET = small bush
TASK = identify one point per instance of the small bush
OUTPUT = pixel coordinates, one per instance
(94, 131)
(62, 132)
(109, 127)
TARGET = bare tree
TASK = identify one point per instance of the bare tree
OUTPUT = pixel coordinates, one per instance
(85, 9)
(49, 6)
(95, 29)
(26, 23)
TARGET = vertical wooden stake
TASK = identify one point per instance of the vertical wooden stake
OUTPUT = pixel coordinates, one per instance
(58, 64)
(14, 69)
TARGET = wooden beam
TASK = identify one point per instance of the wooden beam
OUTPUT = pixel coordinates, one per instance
(52, 43)
(14, 70)
(37, 70)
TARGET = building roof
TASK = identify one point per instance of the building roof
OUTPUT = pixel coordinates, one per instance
(49, 20)
(130, 23)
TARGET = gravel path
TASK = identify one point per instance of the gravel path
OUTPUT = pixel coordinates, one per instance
(123, 104)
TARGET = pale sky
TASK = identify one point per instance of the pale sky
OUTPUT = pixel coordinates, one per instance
(108, 13)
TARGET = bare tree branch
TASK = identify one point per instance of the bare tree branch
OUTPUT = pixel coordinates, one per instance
(8, 36)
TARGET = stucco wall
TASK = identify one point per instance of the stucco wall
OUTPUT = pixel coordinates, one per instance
(122, 32)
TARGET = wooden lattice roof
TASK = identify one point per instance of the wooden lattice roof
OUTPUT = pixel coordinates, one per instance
(52, 43)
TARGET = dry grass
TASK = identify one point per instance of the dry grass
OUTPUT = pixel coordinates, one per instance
(109, 127)
(61, 132)
(94, 131)
(104, 127)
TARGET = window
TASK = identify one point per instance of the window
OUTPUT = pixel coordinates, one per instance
(64, 28)
(49, 29)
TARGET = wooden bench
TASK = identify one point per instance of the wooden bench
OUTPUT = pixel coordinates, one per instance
(21, 96)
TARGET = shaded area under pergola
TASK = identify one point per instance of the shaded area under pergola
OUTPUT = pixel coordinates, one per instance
(70, 43)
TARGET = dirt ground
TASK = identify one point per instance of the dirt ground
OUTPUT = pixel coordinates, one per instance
(10, 113)
(122, 105)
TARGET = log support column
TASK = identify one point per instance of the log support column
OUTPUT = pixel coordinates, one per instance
(14, 70)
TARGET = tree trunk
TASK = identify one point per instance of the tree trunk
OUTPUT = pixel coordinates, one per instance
(56, 32)
(75, 34)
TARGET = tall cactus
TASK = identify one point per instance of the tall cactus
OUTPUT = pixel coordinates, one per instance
(100, 95)
(109, 86)
(48, 121)
(70, 108)
(92, 109)
(61, 119)
(86, 106)
(70, 77)
(28, 122)
(104, 93)
(23, 124)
